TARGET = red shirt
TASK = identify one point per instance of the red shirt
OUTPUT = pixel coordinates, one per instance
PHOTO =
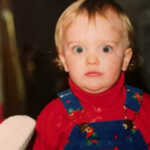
(54, 126)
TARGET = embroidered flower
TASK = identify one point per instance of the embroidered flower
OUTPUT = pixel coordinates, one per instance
(137, 96)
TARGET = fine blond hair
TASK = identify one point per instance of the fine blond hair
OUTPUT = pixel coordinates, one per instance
(91, 8)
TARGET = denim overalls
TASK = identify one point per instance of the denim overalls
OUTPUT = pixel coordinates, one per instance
(107, 135)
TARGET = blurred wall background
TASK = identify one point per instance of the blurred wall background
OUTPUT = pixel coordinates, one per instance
(139, 11)
(35, 23)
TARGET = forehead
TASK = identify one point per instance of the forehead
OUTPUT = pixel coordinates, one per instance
(108, 24)
(109, 14)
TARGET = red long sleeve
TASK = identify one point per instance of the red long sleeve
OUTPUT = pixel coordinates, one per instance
(53, 125)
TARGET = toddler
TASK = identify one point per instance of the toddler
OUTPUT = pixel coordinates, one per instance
(94, 39)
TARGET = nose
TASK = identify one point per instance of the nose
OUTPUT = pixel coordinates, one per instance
(92, 59)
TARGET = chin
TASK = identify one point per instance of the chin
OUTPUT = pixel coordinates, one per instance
(95, 90)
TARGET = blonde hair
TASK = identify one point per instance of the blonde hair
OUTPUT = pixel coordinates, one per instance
(91, 8)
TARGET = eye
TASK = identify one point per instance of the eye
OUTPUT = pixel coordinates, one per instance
(78, 49)
(106, 48)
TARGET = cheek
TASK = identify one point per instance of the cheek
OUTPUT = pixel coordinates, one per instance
(113, 66)
(114, 62)
(114, 70)
(72, 65)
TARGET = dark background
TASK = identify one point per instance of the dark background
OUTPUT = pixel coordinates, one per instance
(35, 23)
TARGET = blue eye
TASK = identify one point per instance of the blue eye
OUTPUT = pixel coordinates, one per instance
(78, 49)
(106, 49)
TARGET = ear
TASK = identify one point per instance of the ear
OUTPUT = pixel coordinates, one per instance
(127, 57)
(63, 61)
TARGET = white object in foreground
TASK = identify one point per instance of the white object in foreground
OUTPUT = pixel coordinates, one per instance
(16, 132)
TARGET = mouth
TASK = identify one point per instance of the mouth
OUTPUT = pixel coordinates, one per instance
(93, 74)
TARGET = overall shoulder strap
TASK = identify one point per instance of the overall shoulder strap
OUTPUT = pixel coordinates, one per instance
(133, 98)
(70, 101)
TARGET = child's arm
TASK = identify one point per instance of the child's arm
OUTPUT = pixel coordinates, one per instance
(144, 121)
(50, 126)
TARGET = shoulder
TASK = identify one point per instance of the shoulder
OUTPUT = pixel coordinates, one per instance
(52, 115)
(145, 105)
(54, 107)
(51, 110)
(142, 121)
(50, 123)
(143, 117)
(146, 102)
(139, 97)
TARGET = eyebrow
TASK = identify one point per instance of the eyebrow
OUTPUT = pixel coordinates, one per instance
(72, 42)
(116, 42)
(111, 41)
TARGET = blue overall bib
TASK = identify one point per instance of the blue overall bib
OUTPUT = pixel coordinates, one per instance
(107, 135)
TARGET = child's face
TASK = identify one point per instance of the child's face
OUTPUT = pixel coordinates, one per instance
(95, 52)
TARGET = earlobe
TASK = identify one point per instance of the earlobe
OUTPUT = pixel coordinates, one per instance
(63, 61)
(127, 57)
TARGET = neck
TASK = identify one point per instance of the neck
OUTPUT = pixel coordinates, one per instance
(104, 99)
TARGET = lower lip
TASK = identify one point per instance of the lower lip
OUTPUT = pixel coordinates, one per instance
(93, 74)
